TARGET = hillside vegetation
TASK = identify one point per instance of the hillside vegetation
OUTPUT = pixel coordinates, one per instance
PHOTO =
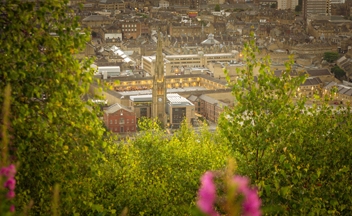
(298, 156)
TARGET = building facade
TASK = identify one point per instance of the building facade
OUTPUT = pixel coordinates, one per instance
(208, 107)
(316, 7)
(179, 108)
(175, 63)
(112, 5)
(120, 119)
(287, 4)
(131, 29)
(96, 21)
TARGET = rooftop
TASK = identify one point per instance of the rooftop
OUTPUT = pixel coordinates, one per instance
(177, 100)
(116, 107)
(318, 72)
(96, 18)
(173, 99)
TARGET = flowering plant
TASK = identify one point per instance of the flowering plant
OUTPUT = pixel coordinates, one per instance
(8, 174)
(237, 199)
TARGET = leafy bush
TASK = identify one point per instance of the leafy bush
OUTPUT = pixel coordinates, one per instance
(158, 174)
(55, 137)
(331, 56)
(296, 154)
(339, 73)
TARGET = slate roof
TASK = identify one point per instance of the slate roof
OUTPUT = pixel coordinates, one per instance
(318, 72)
(312, 81)
(110, 1)
(345, 91)
(212, 101)
(116, 107)
(293, 73)
(192, 98)
(96, 18)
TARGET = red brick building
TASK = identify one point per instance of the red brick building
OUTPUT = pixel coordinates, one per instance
(120, 119)
(208, 107)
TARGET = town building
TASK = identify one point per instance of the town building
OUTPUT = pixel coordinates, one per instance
(119, 119)
(323, 74)
(112, 5)
(286, 4)
(341, 94)
(76, 2)
(175, 63)
(338, 1)
(164, 4)
(177, 108)
(208, 107)
(316, 7)
(96, 21)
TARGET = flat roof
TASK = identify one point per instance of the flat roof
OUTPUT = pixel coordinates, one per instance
(176, 99)
(152, 58)
(169, 91)
(141, 98)
(173, 99)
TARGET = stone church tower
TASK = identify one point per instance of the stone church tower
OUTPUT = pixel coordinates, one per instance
(159, 86)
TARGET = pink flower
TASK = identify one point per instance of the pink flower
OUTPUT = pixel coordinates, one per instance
(10, 184)
(4, 171)
(10, 194)
(242, 183)
(9, 171)
(12, 208)
(207, 195)
(251, 204)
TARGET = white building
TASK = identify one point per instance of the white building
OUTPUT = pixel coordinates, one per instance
(174, 64)
(163, 4)
(109, 71)
(338, 1)
(287, 4)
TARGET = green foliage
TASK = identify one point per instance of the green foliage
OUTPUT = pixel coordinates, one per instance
(217, 7)
(158, 174)
(339, 73)
(146, 124)
(238, 10)
(330, 56)
(298, 8)
(273, 6)
(56, 138)
(94, 34)
(296, 154)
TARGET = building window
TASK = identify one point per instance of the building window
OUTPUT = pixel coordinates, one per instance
(132, 121)
(115, 121)
(121, 130)
(128, 121)
(122, 121)
(110, 121)
(178, 114)
(143, 112)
